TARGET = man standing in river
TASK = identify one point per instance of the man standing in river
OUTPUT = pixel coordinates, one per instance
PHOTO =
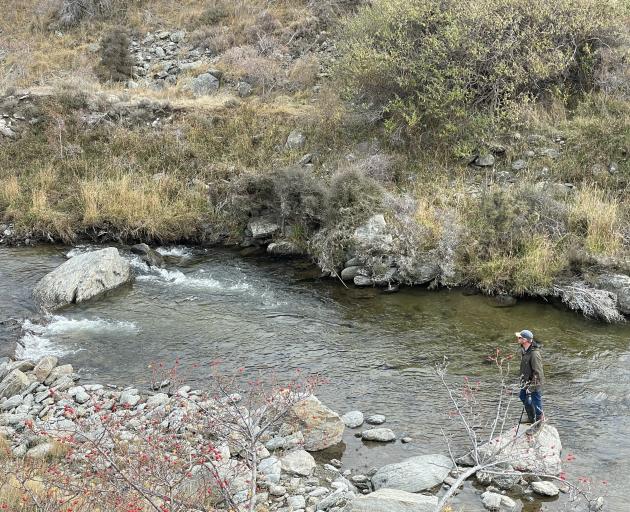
(532, 376)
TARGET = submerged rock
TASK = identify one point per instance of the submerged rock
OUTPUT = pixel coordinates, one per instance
(81, 278)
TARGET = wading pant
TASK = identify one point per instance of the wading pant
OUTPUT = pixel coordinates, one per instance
(533, 399)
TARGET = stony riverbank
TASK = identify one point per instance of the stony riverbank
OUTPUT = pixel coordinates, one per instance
(47, 415)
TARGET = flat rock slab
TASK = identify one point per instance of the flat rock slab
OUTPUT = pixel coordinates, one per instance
(415, 474)
(392, 500)
(81, 278)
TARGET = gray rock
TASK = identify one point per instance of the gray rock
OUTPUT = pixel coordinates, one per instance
(243, 89)
(519, 165)
(284, 248)
(376, 419)
(549, 153)
(13, 384)
(321, 426)
(494, 501)
(59, 371)
(349, 273)
(271, 467)
(6, 130)
(205, 84)
(416, 474)
(363, 281)
(485, 160)
(296, 502)
(295, 140)
(81, 278)
(353, 419)
(373, 234)
(298, 462)
(538, 453)
(263, 227)
(618, 284)
(381, 435)
(286, 442)
(43, 368)
(11, 403)
(148, 255)
(157, 400)
(336, 499)
(129, 398)
(40, 451)
(545, 488)
(392, 500)
(178, 36)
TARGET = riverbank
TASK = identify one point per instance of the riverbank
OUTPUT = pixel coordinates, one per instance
(49, 420)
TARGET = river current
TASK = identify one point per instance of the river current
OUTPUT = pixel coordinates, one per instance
(377, 351)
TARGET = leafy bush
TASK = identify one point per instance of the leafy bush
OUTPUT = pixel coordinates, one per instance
(116, 61)
(433, 64)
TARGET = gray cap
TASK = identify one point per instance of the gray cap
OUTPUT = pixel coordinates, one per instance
(528, 335)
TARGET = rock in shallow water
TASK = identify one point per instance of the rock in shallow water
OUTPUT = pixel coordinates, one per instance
(81, 278)
(415, 474)
(545, 488)
(353, 419)
(382, 435)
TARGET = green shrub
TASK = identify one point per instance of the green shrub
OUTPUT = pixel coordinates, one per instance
(116, 62)
(447, 67)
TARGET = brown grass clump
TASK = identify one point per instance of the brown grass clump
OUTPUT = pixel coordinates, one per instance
(598, 218)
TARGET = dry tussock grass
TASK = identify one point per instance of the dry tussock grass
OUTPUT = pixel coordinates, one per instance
(599, 217)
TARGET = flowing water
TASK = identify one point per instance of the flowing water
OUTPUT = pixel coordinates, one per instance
(377, 350)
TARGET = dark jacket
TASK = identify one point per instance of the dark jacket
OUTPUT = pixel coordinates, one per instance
(532, 372)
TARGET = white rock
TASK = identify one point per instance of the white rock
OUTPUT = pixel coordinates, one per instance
(545, 488)
(298, 462)
(375, 419)
(382, 435)
(353, 419)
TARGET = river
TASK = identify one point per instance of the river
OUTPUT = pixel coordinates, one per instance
(376, 350)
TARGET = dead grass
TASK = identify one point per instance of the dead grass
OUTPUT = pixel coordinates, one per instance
(598, 217)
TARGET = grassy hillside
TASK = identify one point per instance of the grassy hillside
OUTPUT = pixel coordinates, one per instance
(510, 154)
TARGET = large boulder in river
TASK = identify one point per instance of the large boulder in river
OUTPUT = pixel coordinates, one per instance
(321, 426)
(416, 474)
(82, 278)
(392, 500)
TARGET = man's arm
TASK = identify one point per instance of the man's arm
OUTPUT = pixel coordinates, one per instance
(537, 368)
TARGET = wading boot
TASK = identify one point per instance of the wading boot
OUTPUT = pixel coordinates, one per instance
(531, 414)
